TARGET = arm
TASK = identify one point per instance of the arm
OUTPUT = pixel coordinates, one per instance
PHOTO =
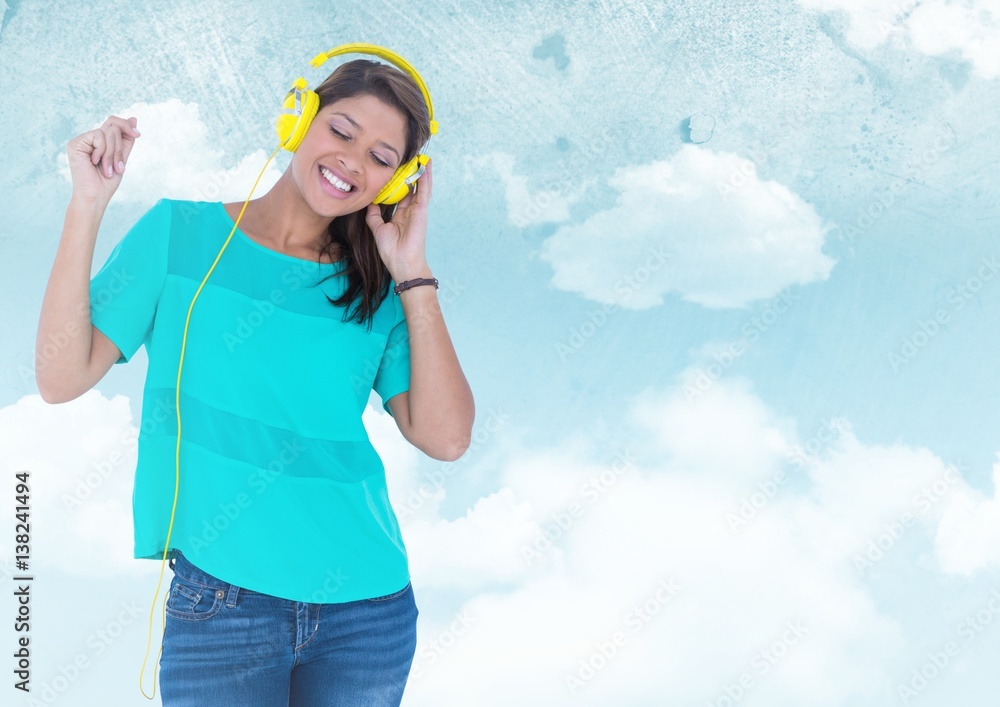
(437, 412)
(71, 355)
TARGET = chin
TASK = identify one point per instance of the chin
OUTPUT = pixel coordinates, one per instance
(326, 209)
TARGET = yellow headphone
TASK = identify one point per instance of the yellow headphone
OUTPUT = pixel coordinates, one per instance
(298, 110)
(301, 105)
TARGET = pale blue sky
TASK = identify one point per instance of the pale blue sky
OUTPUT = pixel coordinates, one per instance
(564, 159)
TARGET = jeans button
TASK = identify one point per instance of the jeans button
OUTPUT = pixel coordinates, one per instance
(220, 593)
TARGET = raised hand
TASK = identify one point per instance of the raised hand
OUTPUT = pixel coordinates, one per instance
(97, 159)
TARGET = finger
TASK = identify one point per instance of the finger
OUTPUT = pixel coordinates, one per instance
(127, 144)
(424, 192)
(126, 126)
(123, 139)
(373, 217)
(120, 132)
(130, 138)
(99, 143)
(114, 146)
(119, 156)
(108, 155)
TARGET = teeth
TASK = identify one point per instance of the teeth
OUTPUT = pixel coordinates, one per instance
(343, 186)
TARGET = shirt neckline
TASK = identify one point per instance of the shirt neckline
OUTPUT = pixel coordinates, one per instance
(336, 265)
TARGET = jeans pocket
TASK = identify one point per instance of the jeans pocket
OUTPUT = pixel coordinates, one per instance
(193, 602)
(394, 595)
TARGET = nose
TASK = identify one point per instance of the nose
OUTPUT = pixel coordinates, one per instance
(349, 162)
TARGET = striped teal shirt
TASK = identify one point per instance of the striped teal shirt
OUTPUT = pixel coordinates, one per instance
(280, 490)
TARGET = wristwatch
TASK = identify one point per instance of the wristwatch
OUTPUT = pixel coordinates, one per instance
(414, 283)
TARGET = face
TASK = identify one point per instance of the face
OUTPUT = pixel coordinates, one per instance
(356, 141)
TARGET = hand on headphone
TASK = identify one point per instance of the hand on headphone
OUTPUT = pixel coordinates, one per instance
(402, 241)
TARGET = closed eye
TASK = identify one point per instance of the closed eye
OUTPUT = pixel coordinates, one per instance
(379, 162)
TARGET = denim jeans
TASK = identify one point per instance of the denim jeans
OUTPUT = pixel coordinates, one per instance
(227, 646)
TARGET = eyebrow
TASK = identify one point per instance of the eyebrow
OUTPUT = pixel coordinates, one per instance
(358, 127)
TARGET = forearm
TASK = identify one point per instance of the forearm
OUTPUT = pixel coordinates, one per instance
(441, 406)
(63, 342)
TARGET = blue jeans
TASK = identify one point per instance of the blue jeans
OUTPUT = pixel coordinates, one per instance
(227, 646)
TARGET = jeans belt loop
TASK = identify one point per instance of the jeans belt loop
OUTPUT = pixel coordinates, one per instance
(234, 592)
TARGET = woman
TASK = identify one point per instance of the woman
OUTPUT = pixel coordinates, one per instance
(291, 583)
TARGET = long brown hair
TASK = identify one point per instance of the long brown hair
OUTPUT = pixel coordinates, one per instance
(368, 278)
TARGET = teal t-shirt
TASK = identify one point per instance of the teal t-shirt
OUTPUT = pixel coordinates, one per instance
(280, 488)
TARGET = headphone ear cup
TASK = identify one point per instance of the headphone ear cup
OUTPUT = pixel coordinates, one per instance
(394, 191)
(292, 127)
(397, 188)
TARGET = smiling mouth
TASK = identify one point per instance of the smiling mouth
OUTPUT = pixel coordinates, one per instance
(327, 175)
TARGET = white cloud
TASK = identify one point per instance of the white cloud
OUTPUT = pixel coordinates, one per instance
(701, 224)
(80, 456)
(968, 537)
(176, 156)
(972, 29)
(467, 553)
(968, 28)
(471, 552)
(658, 510)
(549, 204)
(688, 434)
(622, 525)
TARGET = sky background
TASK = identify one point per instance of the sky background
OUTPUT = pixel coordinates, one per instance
(724, 278)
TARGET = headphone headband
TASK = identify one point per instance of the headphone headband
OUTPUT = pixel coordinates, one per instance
(301, 104)
(383, 53)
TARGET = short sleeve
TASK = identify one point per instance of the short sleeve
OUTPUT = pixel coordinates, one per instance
(393, 375)
(125, 291)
